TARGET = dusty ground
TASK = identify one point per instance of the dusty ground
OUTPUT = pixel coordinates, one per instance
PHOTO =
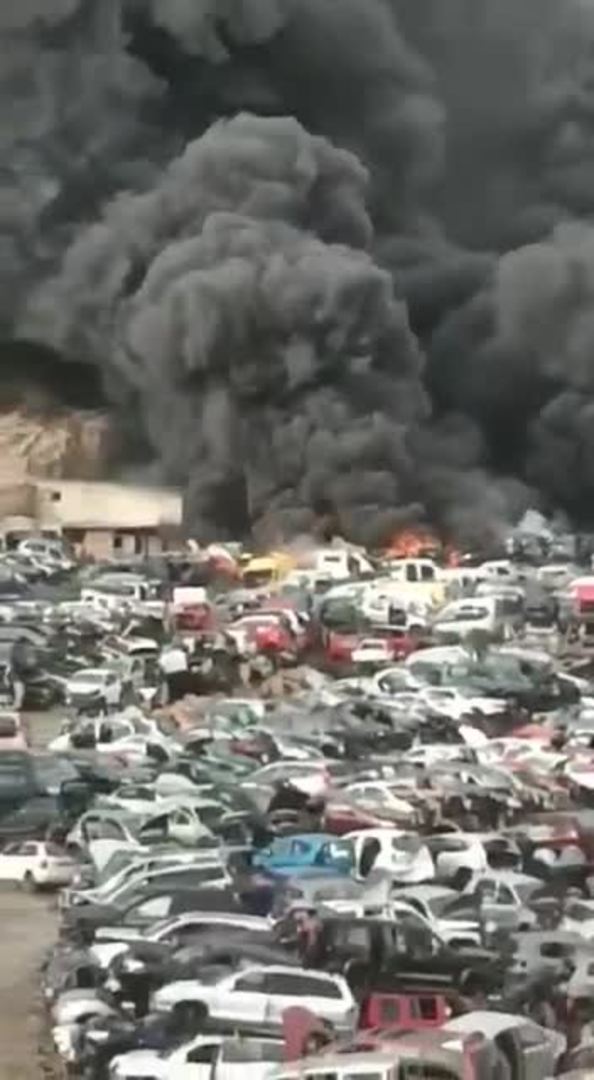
(28, 926)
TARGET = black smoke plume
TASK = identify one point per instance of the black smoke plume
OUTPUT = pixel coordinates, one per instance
(320, 251)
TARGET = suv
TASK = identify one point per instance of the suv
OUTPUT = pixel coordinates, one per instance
(259, 996)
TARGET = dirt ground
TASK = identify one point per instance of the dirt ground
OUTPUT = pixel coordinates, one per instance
(28, 926)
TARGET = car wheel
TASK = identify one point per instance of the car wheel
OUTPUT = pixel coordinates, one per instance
(470, 983)
(190, 1016)
(29, 883)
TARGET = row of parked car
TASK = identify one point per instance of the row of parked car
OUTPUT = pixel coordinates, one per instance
(386, 875)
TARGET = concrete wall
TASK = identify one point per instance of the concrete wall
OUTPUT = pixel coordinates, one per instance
(17, 500)
(75, 504)
(97, 544)
(103, 543)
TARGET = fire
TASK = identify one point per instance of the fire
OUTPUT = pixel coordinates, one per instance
(419, 543)
(412, 544)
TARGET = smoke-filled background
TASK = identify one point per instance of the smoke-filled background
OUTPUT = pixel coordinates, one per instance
(311, 253)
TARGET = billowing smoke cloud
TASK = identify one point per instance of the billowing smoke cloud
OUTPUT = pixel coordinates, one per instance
(318, 250)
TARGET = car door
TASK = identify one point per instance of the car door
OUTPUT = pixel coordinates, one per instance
(244, 997)
(285, 989)
(497, 903)
(13, 862)
(241, 1058)
(198, 1062)
(418, 956)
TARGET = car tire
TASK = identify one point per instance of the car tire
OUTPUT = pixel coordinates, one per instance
(190, 1016)
(29, 883)
(469, 983)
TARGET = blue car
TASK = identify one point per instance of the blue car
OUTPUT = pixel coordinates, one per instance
(295, 854)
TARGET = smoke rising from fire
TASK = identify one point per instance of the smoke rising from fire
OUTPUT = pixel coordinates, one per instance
(318, 250)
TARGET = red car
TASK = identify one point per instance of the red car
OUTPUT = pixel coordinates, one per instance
(266, 632)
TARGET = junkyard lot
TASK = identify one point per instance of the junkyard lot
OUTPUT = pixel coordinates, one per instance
(28, 926)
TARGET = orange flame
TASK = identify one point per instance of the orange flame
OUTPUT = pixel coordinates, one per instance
(419, 543)
(412, 544)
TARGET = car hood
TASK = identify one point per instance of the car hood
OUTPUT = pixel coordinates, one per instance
(101, 914)
(141, 1063)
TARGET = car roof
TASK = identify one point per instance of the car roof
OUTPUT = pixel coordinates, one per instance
(425, 892)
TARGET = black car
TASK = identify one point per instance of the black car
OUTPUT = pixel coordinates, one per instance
(386, 955)
(37, 793)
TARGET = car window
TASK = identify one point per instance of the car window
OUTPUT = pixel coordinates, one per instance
(300, 986)
(237, 1051)
(486, 890)
(417, 1070)
(103, 829)
(505, 895)
(157, 907)
(580, 912)
(203, 1055)
(253, 982)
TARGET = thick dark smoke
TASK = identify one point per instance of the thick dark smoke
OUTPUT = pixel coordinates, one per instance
(321, 251)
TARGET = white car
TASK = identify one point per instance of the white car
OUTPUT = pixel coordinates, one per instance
(91, 682)
(402, 855)
(437, 905)
(457, 851)
(36, 864)
(260, 995)
(218, 1057)
(579, 918)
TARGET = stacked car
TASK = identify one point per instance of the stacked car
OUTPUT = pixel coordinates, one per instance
(331, 820)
